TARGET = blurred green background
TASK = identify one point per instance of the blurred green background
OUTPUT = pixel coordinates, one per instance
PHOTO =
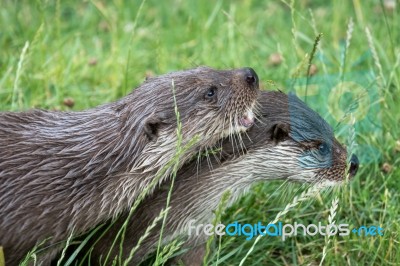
(72, 55)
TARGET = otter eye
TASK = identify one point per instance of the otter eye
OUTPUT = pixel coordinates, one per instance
(323, 149)
(210, 93)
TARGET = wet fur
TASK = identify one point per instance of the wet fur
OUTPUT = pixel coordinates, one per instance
(64, 172)
(276, 147)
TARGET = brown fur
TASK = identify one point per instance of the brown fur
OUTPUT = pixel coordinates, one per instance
(284, 144)
(64, 172)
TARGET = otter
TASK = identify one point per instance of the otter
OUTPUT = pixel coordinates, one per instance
(65, 172)
(289, 141)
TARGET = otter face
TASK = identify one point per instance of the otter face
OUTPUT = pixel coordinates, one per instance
(321, 152)
(298, 143)
(214, 102)
(211, 103)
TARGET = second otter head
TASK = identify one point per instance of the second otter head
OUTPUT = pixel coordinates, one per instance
(295, 143)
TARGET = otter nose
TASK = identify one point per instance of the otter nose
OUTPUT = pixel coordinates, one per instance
(353, 165)
(250, 76)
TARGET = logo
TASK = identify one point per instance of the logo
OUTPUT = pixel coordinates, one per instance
(280, 230)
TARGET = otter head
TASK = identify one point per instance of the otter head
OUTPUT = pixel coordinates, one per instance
(211, 104)
(296, 143)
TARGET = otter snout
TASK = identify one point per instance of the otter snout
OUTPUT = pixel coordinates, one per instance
(353, 165)
(251, 77)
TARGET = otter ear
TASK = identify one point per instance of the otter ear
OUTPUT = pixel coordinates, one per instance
(279, 132)
(152, 125)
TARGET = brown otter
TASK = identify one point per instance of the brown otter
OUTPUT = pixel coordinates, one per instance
(64, 172)
(289, 142)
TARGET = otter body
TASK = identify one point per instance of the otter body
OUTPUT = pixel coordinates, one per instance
(62, 173)
(289, 141)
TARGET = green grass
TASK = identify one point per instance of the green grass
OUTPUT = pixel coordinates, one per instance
(97, 51)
